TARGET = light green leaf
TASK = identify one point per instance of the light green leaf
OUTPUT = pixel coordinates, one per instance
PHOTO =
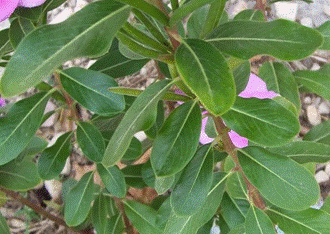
(85, 34)
(177, 140)
(196, 22)
(4, 229)
(20, 124)
(78, 201)
(304, 151)
(280, 80)
(162, 184)
(143, 217)
(257, 222)
(280, 38)
(279, 179)
(324, 29)
(91, 90)
(310, 221)
(205, 71)
(190, 192)
(250, 14)
(319, 133)
(140, 116)
(90, 141)
(113, 179)
(53, 159)
(236, 187)
(270, 123)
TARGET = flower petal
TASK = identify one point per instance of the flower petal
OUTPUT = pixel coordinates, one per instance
(30, 3)
(7, 7)
(238, 141)
(203, 138)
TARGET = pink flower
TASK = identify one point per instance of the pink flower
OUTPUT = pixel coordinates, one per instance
(2, 102)
(257, 88)
(7, 7)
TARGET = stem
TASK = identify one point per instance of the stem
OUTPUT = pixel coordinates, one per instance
(128, 226)
(231, 150)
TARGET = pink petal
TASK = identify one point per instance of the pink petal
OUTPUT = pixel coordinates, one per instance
(7, 7)
(2, 102)
(238, 141)
(30, 3)
(204, 139)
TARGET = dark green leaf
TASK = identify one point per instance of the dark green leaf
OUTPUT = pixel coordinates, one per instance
(5, 45)
(257, 222)
(85, 34)
(236, 187)
(20, 124)
(153, 131)
(279, 179)
(133, 176)
(319, 133)
(163, 213)
(324, 29)
(196, 22)
(113, 179)
(4, 229)
(148, 174)
(19, 28)
(241, 75)
(91, 90)
(78, 201)
(270, 123)
(52, 160)
(250, 14)
(205, 70)
(280, 38)
(36, 145)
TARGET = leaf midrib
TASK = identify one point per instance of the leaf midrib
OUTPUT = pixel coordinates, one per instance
(253, 39)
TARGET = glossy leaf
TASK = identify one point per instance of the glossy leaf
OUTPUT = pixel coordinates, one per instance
(280, 38)
(49, 46)
(52, 160)
(20, 124)
(299, 189)
(205, 71)
(19, 28)
(113, 179)
(90, 141)
(319, 133)
(280, 80)
(177, 140)
(19, 176)
(257, 222)
(316, 81)
(4, 229)
(324, 29)
(250, 14)
(190, 192)
(304, 151)
(270, 123)
(310, 221)
(140, 116)
(143, 217)
(78, 201)
(91, 90)
(163, 184)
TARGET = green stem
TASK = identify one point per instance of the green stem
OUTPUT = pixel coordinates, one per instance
(213, 17)
(174, 4)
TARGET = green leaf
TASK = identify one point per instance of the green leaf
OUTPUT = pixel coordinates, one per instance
(177, 140)
(148, 174)
(310, 221)
(319, 133)
(205, 70)
(280, 38)
(49, 46)
(4, 229)
(236, 187)
(270, 123)
(326, 205)
(93, 93)
(140, 116)
(115, 225)
(153, 131)
(257, 222)
(163, 184)
(20, 124)
(5, 45)
(190, 224)
(19, 176)
(52, 160)
(316, 81)
(280, 80)
(19, 28)
(190, 192)
(78, 201)
(90, 141)
(250, 14)
(196, 21)
(279, 179)
(36, 145)
(185, 9)
(304, 151)
(143, 217)
(324, 29)
(133, 176)
(113, 179)
(242, 75)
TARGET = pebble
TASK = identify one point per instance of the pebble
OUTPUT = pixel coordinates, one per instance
(321, 176)
(327, 169)
(308, 100)
(324, 108)
(313, 116)
(63, 15)
(286, 10)
(326, 10)
(51, 120)
(315, 67)
(306, 21)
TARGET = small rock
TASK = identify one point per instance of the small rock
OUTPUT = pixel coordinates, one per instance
(141, 136)
(324, 108)
(63, 15)
(54, 188)
(306, 21)
(308, 100)
(326, 10)
(237, 8)
(51, 120)
(313, 116)
(286, 10)
(321, 176)
(315, 67)
(327, 169)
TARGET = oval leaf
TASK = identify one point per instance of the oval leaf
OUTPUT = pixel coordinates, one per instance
(250, 14)
(320, 133)
(20, 124)
(292, 187)
(177, 140)
(190, 192)
(205, 70)
(3, 225)
(113, 179)
(91, 90)
(85, 34)
(78, 201)
(257, 222)
(90, 141)
(324, 29)
(280, 38)
(53, 159)
(140, 116)
(269, 123)
(163, 184)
